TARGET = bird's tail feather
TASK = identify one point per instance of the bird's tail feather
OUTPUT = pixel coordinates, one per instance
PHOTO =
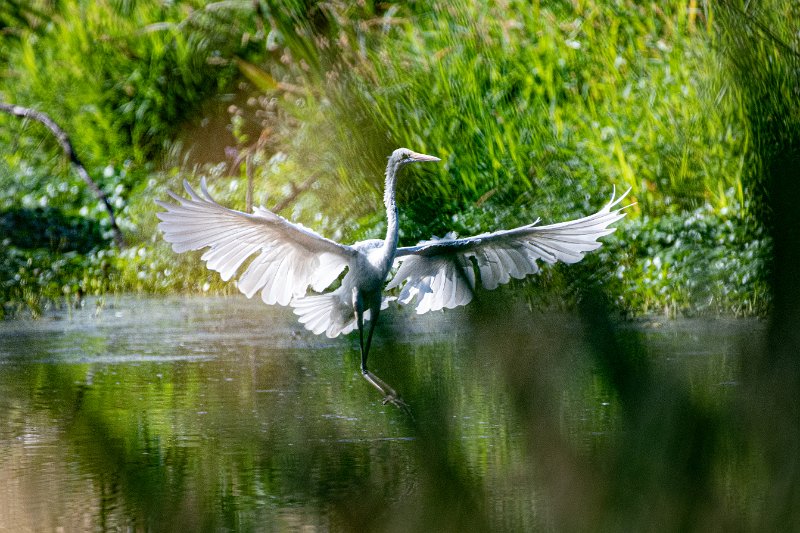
(330, 313)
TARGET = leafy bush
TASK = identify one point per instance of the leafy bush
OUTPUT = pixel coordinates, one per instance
(536, 111)
(709, 262)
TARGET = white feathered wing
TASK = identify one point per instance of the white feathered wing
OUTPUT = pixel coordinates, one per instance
(440, 274)
(285, 258)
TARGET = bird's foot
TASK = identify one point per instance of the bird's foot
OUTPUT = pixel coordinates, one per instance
(398, 402)
(390, 396)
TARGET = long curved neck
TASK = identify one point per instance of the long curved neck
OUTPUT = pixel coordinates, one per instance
(392, 226)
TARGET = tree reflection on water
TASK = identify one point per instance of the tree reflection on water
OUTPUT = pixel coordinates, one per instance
(218, 414)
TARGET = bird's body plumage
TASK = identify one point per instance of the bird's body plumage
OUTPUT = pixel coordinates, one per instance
(283, 260)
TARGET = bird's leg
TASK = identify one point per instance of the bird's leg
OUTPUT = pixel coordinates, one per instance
(365, 349)
(360, 324)
(389, 394)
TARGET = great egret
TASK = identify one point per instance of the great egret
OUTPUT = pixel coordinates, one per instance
(288, 258)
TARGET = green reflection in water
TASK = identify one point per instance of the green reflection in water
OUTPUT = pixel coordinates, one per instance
(223, 414)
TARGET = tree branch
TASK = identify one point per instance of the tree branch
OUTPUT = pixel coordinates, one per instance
(63, 140)
(296, 191)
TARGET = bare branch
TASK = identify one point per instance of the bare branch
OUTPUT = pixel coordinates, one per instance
(249, 170)
(296, 191)
(63, 140)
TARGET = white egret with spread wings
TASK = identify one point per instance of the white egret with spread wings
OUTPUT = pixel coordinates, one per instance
(287, 259)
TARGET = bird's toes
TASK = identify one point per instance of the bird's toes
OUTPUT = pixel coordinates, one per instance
(398, 402)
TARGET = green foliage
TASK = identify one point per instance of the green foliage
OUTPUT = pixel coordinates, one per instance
(761, 45)
(704, 263)
(121, 78)
(527, 106)
(537, 110)
(707, 262)
(46, 227)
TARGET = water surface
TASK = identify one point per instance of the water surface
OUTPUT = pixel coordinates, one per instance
(224, 414)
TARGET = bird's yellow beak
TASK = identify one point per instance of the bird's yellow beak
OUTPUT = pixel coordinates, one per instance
(423, 158)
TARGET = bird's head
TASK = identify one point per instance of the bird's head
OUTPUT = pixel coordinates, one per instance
(403, 156)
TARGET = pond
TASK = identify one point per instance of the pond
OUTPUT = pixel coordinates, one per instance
(224, 414)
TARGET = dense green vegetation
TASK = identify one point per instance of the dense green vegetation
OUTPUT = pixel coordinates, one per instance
(535, 110)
